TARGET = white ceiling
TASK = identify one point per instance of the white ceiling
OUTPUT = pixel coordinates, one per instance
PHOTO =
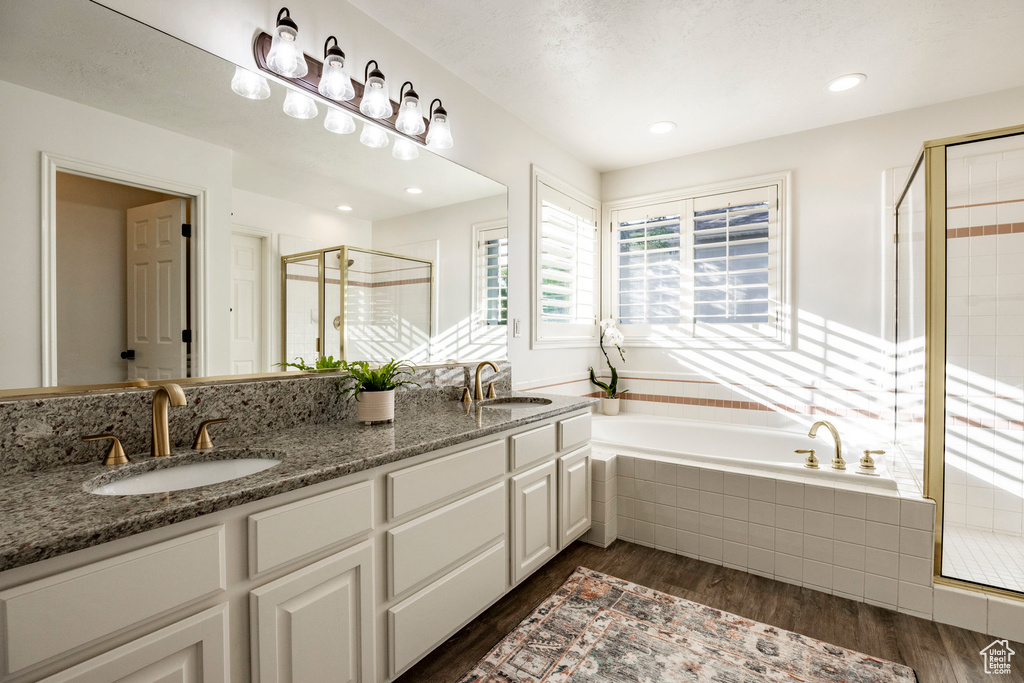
(593, 74)
(80, 51)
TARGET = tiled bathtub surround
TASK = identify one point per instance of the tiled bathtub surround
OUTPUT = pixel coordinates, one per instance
(41, 433)
(872, 546)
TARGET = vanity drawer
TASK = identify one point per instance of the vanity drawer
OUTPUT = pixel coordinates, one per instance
(289, 532)
(573, 432)
(532, 445)
(60, 613)
(419, 549)
(430, 616)
(417, 487)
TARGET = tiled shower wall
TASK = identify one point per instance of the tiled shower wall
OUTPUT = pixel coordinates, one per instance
(985, 336)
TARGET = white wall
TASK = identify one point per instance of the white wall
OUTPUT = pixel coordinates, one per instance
(488, 139)
(840, 246)
(452, 227)
(36, 123)
(91, 275)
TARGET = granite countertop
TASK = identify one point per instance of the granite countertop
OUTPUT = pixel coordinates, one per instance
(51, 512)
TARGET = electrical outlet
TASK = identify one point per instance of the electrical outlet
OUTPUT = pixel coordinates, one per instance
(517, 329)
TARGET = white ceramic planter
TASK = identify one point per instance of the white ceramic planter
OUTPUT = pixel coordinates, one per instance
(375, 406)
(610, 406)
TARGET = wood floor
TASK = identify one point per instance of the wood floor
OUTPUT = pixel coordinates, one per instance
(939, 653)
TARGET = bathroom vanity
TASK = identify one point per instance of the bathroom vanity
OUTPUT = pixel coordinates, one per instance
(360, 552)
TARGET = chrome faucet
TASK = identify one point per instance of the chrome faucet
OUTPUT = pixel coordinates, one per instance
(165, 394)
(837, 463)
(479, 389)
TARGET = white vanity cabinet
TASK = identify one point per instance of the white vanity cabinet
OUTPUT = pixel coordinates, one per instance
(351, 580)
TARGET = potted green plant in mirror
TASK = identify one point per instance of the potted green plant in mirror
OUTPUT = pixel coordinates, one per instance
(323, 364)
(374, 388)
(611, 334)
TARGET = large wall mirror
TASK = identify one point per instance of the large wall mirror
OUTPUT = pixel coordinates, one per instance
(115, 136)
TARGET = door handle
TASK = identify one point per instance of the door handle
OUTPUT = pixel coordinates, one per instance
(128, 355)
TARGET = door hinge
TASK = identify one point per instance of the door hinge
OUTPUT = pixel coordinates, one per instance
(186, 229)
(186, 336)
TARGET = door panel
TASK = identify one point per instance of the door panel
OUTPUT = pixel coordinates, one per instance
(156, 290)
(573, 495)
(534, 519)
(246, 315)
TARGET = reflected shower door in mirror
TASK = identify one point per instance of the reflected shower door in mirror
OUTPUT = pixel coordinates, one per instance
(121, 117)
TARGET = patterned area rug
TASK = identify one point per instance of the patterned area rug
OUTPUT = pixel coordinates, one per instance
(599, 628)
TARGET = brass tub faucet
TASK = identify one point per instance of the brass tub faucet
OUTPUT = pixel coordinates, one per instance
(837, 463)
(166, 394)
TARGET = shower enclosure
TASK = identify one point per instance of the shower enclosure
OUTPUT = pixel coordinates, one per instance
(960, 351)
(355, 304)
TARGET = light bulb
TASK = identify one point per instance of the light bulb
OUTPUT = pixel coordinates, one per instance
(404, 149)
(338, 121)
(376, 102)
(334, 80)
(410, 117)
(440, 134)
(250, 85)
(300, 106)
(372, 136)
(285, 57)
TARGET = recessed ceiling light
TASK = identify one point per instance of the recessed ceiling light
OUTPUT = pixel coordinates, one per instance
(846, 82)
(661, 127)
(414, 190)
(344, 207)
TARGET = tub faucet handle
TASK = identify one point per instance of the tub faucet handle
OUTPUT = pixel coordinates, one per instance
(867, 462)
(812, 460)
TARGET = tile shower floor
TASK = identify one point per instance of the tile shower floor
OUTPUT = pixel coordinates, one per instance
(983, 557)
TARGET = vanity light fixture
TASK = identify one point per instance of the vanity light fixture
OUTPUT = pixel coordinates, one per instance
(285, 57)
(661, 127)
(439, 136)
(250, 85)
(404, 149)
(846, 82)
(410, 116)
(338, 121)
(372, 136)
(414, 190)
(375, 103)
(335, 83)
(300, 106)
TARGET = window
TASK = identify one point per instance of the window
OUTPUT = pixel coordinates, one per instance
(491, 279)
(702, 264)
(566, 264)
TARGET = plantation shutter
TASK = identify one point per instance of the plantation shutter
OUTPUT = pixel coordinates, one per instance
(492, 276)
(568, 269)
(735, 263)
(647, 265)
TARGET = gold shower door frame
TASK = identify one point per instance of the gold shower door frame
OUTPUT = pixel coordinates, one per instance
(932, 162)
(321, 256)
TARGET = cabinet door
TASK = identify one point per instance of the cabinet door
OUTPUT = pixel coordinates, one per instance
(534, 519)
(193, 650)
(316, 624)
(573, 495)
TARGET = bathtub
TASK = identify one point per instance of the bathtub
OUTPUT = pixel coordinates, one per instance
(751, 448)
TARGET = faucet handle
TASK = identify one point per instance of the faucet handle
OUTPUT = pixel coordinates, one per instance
(867, 462)
(491, 393)
(812, 461)
(467, 396)
(203, 437)
(115, 454)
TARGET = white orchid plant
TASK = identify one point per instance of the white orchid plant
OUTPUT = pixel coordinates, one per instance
(611, 334)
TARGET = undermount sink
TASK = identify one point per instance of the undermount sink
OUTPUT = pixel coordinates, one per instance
(184, 476)
(514, 402)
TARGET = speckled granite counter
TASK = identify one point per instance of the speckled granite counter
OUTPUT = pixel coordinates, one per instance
(50, 512)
